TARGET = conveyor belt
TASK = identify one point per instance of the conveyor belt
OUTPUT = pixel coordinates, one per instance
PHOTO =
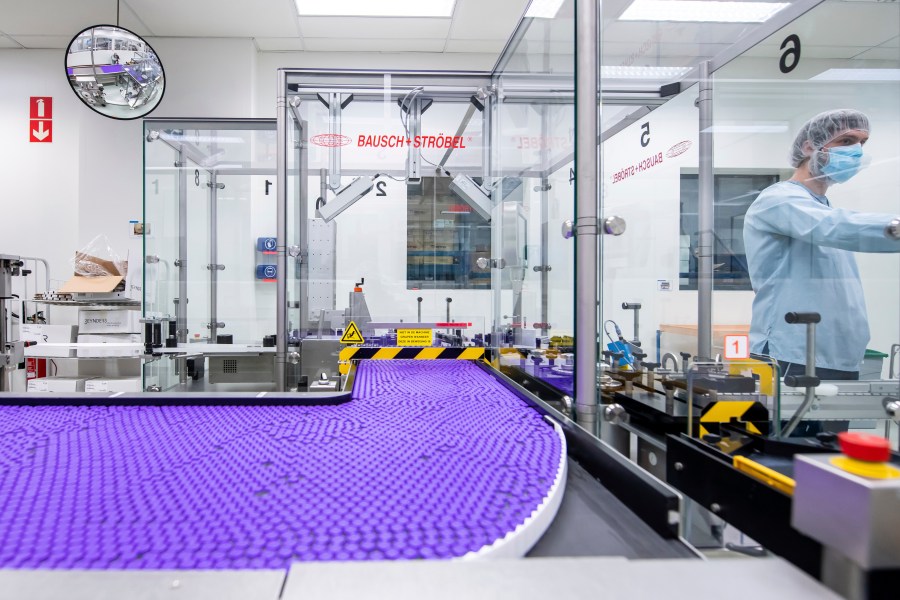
(428, 460)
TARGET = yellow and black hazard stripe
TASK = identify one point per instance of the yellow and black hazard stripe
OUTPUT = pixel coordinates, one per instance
(753, 415)
(374, 353)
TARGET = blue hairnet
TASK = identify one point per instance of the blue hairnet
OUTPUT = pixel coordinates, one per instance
(823, 128)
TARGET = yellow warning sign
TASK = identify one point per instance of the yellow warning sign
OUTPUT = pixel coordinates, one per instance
(352, 335)
(414, 337)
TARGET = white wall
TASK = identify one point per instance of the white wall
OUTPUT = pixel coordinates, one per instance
(88, 180)
(40, 196)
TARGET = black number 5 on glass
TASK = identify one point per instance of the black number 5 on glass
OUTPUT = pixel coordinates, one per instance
(645, 135)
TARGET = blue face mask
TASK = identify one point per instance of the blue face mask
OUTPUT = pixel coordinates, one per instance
(843, 162)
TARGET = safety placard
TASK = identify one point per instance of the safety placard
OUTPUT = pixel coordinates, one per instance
(40, 115)
(737, 347)
(415, 337)
(352, 335)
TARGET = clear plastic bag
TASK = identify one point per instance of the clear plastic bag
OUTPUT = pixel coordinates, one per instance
(98, 259)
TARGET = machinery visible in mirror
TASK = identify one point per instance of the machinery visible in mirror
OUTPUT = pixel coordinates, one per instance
(115, 72)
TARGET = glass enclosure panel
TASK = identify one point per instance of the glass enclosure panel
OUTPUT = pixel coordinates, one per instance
(813, 241)
(209, 222)
(533, 159)
(389, 181)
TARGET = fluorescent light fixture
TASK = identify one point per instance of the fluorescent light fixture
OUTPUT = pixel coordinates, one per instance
(543, 9)
(858, 75)
(699, 11)
(754, 128)
(611, 72)
(375, 8)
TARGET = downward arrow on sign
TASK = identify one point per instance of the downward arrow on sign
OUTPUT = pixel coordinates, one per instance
(40, 133)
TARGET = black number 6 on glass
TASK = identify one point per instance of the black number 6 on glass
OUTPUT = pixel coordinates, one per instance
(793, 51)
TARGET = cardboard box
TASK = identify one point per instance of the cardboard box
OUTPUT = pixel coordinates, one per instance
(52, 334)
(58, 385)
(114, 350)
(96, 284)
(108, 321)
(113, 384)
(115, 286)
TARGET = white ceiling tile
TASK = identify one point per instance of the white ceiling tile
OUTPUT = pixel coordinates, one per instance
(131, 21)
(486, 19)
(35, 42)
(371, 28)
(485, 46)
(844, 24)
(279, 44)
(54, 17)
(368, 45)
(214, 18)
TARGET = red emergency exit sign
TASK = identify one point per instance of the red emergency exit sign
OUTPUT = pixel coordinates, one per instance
(40, 119)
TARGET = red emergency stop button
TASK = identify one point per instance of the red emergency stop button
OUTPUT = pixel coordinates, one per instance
(865, 447)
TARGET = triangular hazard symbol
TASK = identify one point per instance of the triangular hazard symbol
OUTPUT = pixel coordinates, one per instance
(352, 335)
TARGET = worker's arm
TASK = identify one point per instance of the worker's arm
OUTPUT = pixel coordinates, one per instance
(803, 218)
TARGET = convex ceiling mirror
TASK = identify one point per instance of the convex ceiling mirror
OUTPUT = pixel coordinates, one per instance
(115, 72)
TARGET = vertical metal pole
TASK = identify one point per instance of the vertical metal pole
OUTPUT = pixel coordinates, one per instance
(181, 309)
(281, 226)
(706, 210)
(587, 52)
(213, 259)
(491, 123)
(414, 158)
(545, 221)
(334, 128)
(545, 199)
(5, 294)
(486, 124)
(302, 221)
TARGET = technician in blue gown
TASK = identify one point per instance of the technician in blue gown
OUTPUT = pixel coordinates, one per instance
(800, 252)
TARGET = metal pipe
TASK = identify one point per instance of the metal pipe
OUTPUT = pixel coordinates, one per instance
(281, 228)
(810, 371)
(302, 222)
(470, 112)
(213, 260)
(181, 309)
(545, 223)
(323, 185)
(46, 269)
(706, 210)
(419, 308)
(487, 120)
(587, 51)
(449, 300)
(334, 128)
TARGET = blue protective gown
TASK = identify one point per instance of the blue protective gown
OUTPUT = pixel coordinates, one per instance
(800, 258)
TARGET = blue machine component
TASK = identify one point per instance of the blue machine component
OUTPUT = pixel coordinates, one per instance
(266, 244)
(266, 272)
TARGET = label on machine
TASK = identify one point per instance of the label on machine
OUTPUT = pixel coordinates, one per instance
(415, 337)
(352, 335)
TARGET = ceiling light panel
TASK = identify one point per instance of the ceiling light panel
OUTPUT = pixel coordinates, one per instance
(376, 8)
(614, 72)
(699, 11)
(543, 9)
